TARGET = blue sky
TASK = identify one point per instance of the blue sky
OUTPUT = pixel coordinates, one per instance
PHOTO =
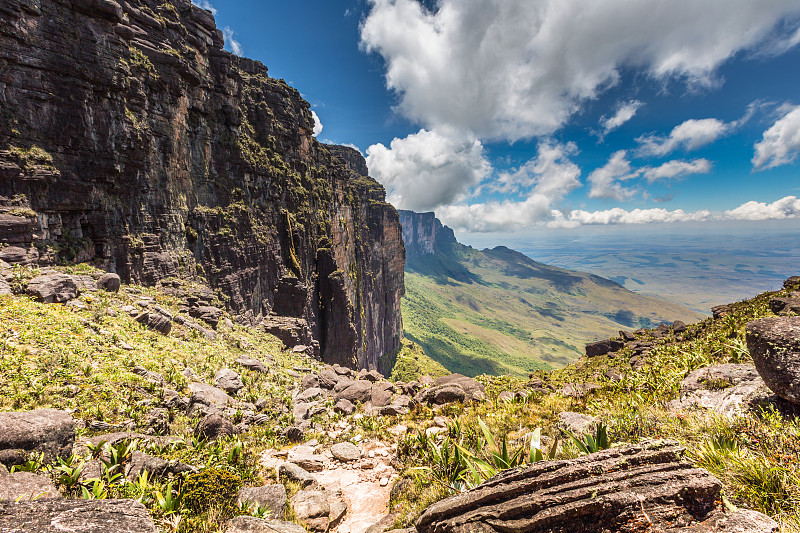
(512, 116)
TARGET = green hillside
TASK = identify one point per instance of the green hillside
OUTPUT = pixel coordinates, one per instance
(499, 312)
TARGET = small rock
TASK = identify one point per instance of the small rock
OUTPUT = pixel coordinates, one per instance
(328, 378)
(344, 407)
(296, 473)
(346, 452)
(155, 321)
(505, 396)
(309, 381)
(272, 497)
(228, 380)
(678, 326)
(384, 481)
(312, 509)
(213, 426)
(354, 391)
(157, 421)
(253, 364)
(293, 434)
(577, 424)
(441, 394)
(603, 347)
(26, 486)
(109, 282)
(309, 394)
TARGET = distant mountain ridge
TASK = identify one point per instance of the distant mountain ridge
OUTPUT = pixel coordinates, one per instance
(499, 311)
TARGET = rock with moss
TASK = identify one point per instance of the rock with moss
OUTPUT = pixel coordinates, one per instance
(774, 344)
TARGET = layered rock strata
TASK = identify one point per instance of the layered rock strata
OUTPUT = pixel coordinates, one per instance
(129, 138)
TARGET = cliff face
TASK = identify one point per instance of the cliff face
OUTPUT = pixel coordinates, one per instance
(130, 139)
(424, 234)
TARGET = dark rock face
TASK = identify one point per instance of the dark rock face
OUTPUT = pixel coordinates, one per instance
(213, 426)
(53, 288)
(143, 147)
(48, 431)
(155, 321)
(605, 491)
(785, 306)
(76, 516)
(774, 345)
(603, 347)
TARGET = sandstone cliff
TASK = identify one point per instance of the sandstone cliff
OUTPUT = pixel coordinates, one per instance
(130, 139)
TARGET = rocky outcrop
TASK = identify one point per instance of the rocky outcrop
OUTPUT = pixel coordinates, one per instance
(130, 139)
(728, 389)
(76, 516)
(626, 489)
(46, 431)
(774, 345)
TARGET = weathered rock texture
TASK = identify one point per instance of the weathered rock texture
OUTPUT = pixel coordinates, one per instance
(130, 139)
(774, 344)
(46, 431)
(632, 488)
(76, 516)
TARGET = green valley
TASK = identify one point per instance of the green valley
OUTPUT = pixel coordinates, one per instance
(496, 311)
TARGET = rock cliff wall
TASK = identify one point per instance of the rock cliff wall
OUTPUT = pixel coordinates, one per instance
(130, 139)
(423, 233)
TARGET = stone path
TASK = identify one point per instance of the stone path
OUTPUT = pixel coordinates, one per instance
(365, 484)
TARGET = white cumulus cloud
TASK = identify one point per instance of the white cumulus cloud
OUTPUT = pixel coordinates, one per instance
(625, 112)
(317, 123)
(689, 135)
(780, 144)
(788, 207)
(551, 173)
(605, 182)
(497, 216)
(677, 169)
(231, 42)
(426, 169)
(512, 69)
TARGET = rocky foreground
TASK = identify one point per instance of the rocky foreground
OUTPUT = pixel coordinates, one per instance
(117, 422)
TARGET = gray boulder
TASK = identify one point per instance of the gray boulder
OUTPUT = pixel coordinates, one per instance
(251, 524)
(155, 321)
(309, 394)
(154, 466)
(213, 426)
(228, 380)
(603, 347)
(309, 381)
(605, 491)
(253, 364)
(296, 473)
(48, 431)
(774, 345)
(209, 396)
(344, 407)
(441, 394)
(312, 509)
(473, 389)
(577, 424)
(76, 516)
(354, 391)
(381, 394)
(52, 288)
(328, 379)
(785, 306)
(346, 452)
(26, 486)
(5, 288)
(272, 497)
(109, 282)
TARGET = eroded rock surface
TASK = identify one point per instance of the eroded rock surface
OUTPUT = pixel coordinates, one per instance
(623, 489)
(48, 431)
(76, 516)
(774, 345)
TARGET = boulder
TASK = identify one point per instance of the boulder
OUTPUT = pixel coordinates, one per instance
(228, 380)
(370, 375)
(296, 473)
(441, 394)
(355, 391)
(346, 452)
(155, 321)
(785, 306)
(309, 394)
(393, 410)
(293, 434)
(253, 364)
(472, 388)
(344, 407)
(157, 421)
(76, 516)
(206, 395)
(603, 347)
(774, 345)
(26, 486)
(213, 426)
(307, 461)
(52, 288)
(206, 313)
(14, 255)
(272, 497)
(251, 524)
(791, 282)
(149, 375)
(577, 424)
(720, 311)
(381, 394)
(312, 509)
(48, 431)
(328, 379)
(109, 282)
(625, 489)
(309, 381)
(5, 288)
(678, 326)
